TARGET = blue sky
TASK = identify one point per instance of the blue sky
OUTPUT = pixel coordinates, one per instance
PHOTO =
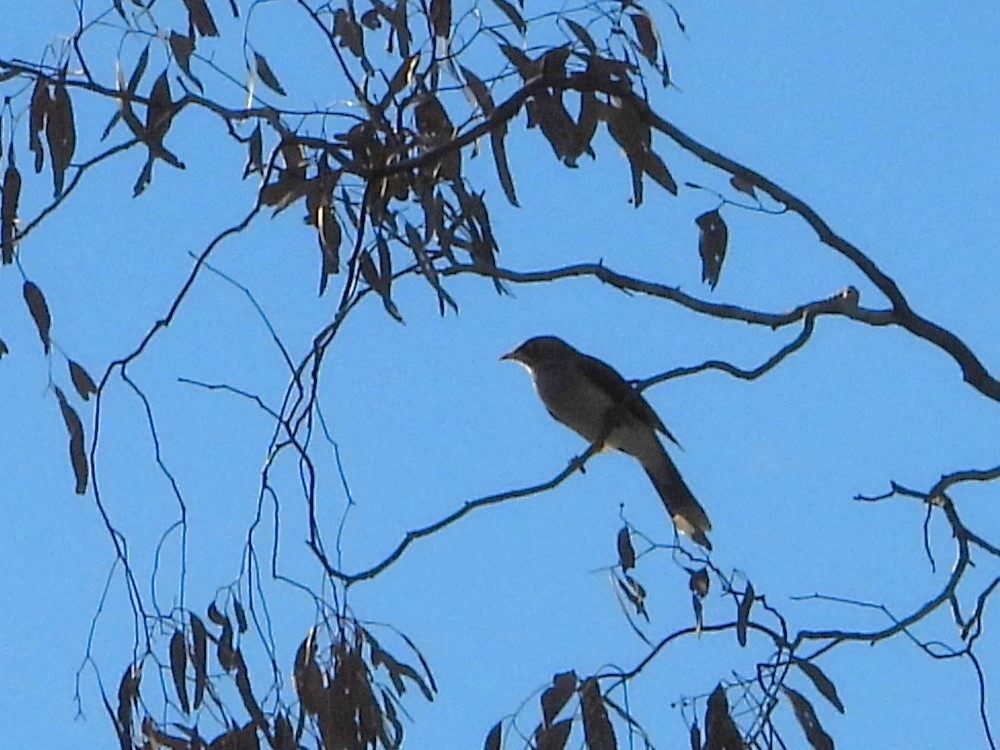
(883, 119)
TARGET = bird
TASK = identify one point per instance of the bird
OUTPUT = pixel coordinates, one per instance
(595, 401)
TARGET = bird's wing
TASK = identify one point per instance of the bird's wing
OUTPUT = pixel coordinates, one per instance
(618, 389)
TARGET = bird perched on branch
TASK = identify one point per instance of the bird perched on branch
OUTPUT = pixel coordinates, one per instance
(593, 400)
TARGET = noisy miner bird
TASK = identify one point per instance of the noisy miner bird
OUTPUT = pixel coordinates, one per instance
(592, 399)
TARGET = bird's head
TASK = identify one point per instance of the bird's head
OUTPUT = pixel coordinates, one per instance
(539, 351)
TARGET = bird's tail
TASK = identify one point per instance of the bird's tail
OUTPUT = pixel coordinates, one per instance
(688, 515)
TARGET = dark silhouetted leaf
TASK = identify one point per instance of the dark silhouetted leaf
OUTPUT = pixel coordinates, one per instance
(635, 593)
(199, 659)
(699, 582)
(128, 699)
(721, 732)
(512, 13)
(653, 166)
(743, 615)
(81, 380)
(201, 17)
(347, 29)
(806, 717)
(822, 683)
(581, 33)
(3, 348)
(549, 113)
(8, 209)
(402, 79)
(255, 153)
(308, 678)
(140, 69)
(370, 19)
(284, 737)
(699, 612)
(224, 651)
(553, 737)
(555, 698)
(77, 453)
(60, 132)
(526, 67)
(596, 726)
(241, 616)
(182, 48)
(39, 312)
(493, 739)
(330, 237)
(743, 185)
(632, 134)
(216, 616)
(712, 243)
(485, 101)
(626, 553)
(266, 74)
(646, 33)
(695, 737)
(178, 666)
(440, 14)
(40, 103)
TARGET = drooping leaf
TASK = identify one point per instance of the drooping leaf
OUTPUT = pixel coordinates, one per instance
(721, 732)
(550, 114)
(699, 612)
(493, 739)
(82, 381)
(140, 69)
(440, 14)
(330, 236)
(40, 103)
(128, 699)
(633, 135)
(743, 185)
(635, 593)
(743, 615)
(526, 67)
(553, 737)
(182, 48)
(60, 133)
(712, 241)
(596, 725)
(200, 17)
(402, 79)
(224, 652)
(216, 616)
(39, 310)
(308, 678)
(266, 74)
(347, 29)
(513, 15)
(199, 659)
(3, 349)
(77, 452)
(255, 153)
(581, 33)
(241, 616)
(555, 698)
(808, 720)
(695, 736)
(821, 682)
(8, 209)
(485, 101)
(178, 666)
(699, 582)
(646, 33)
(653, 166)
(626, 552)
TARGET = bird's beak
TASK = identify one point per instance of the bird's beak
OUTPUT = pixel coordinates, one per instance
(509, 356)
